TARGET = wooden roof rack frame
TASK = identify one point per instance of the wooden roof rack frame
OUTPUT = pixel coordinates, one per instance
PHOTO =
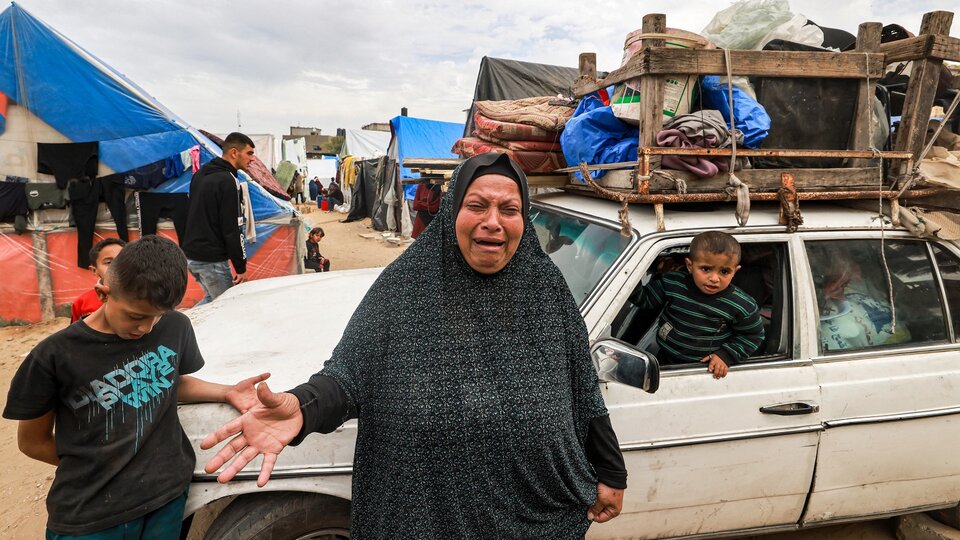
(863, 178)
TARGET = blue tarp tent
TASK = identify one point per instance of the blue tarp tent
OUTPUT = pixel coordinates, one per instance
(72, 96)
(419, 138)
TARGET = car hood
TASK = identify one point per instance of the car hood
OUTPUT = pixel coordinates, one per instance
(287, 326)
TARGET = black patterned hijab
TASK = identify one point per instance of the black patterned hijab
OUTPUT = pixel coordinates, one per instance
(474, 392)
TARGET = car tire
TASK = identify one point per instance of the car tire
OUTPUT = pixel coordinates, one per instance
(283, 515)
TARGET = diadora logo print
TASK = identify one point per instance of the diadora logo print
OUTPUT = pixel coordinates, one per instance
(136, 383)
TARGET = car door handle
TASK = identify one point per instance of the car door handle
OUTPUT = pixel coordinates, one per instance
(790, 409)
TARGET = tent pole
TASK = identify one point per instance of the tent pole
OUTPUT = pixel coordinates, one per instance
(41, 260)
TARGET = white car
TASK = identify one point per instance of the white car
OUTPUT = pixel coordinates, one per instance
(840, 416)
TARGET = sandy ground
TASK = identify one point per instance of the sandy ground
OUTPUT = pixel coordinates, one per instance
(25, 482)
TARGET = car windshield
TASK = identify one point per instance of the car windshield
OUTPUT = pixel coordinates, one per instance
(583, 250)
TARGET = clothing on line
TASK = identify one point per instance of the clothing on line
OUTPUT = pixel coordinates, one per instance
(85, 197)
(68, 161)
(151, 206)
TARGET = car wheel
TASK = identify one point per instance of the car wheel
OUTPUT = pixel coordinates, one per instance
(283, 516)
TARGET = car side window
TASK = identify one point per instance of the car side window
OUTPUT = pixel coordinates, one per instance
(949, 266)
(853, 294)
(763, 276)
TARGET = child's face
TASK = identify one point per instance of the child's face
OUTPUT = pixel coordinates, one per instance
(127, 318)
(107, 255)
(316, 237)
(712, 272)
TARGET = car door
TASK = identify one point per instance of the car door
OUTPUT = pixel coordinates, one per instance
(706, 455)
(890, 394)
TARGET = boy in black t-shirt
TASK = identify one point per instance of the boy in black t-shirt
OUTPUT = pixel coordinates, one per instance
(98, 399)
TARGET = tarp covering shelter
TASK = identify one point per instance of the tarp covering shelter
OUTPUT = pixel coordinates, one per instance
(60, 93)
(421, 138)
(500, 79)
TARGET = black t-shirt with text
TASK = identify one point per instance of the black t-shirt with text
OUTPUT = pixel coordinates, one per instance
(122, 451)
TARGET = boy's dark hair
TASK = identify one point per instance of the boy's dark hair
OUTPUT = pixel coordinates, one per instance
(715, 242)
(316, 230)
(98, 247)
(153, 269)
(237, 140)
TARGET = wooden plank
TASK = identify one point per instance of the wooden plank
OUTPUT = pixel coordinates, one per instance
(41, 261)
(652, 91)
(921, 91)
(868, 41)
(547, 180)
(669, 61)
(915, 48)
(588, 69)
(433, 163)
(762, 180)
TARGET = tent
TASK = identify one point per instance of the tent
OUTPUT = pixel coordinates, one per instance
(364, 144)
(60, 93)
(500, 79)
(420, 138)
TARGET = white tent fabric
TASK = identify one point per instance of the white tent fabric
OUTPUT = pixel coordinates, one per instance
(295, 151)
(365, 144)
(324, 169)
(265, 147)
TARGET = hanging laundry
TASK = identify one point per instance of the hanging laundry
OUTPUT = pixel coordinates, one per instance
(85, 197)
(173, 167)
(195, 158)
(151, 206)
(68, 161)
(147, 177)
(41, 195)
(3, 112)
(13, 205)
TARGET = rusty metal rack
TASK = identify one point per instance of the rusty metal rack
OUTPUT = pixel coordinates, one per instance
(643, 181)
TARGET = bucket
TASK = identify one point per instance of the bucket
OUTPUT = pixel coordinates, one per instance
(678, 90)
(324, 204)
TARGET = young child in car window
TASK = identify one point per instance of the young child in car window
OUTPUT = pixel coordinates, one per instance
(705, 318)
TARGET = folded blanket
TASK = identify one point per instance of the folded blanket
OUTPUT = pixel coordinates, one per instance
(533, 111)
(533, 146)
(701, 129)
(512, 131)
(530, 162)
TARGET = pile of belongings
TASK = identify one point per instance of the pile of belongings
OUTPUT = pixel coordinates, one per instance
(528, 130)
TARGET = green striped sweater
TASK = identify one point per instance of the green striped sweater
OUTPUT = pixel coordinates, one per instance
(693, 324)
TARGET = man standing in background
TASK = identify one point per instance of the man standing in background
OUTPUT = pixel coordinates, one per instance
(214, 234)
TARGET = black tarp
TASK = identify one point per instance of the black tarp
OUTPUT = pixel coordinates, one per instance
(501, 79)
(376, 179)
(805, 113)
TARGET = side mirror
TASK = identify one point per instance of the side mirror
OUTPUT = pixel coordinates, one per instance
(618, 361)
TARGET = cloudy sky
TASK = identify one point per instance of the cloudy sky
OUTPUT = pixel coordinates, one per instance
(335, 63)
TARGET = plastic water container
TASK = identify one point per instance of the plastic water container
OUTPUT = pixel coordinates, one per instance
(678, 91)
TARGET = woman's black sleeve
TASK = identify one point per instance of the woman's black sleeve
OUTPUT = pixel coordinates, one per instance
(603, 452)
(324, 405)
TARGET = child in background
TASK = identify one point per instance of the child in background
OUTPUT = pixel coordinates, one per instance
(705, 318)
(98, 400)
(101, 255)
(314, 260)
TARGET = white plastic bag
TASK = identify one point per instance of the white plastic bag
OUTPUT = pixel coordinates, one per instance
(744, 24)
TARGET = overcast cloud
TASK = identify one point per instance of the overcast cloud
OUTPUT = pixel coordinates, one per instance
(344, 64)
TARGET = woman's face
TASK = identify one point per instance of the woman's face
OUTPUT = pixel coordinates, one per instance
(490, 223)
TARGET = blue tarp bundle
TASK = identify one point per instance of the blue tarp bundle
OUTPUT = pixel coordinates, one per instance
(86, 100)
(419, 138)
(594, 135)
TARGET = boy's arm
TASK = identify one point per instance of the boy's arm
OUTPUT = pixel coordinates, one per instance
(35, 439)
(745, 338)
(650, 296)
(242, 396)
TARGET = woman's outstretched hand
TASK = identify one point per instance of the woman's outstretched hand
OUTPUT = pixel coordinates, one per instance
(265, 429)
